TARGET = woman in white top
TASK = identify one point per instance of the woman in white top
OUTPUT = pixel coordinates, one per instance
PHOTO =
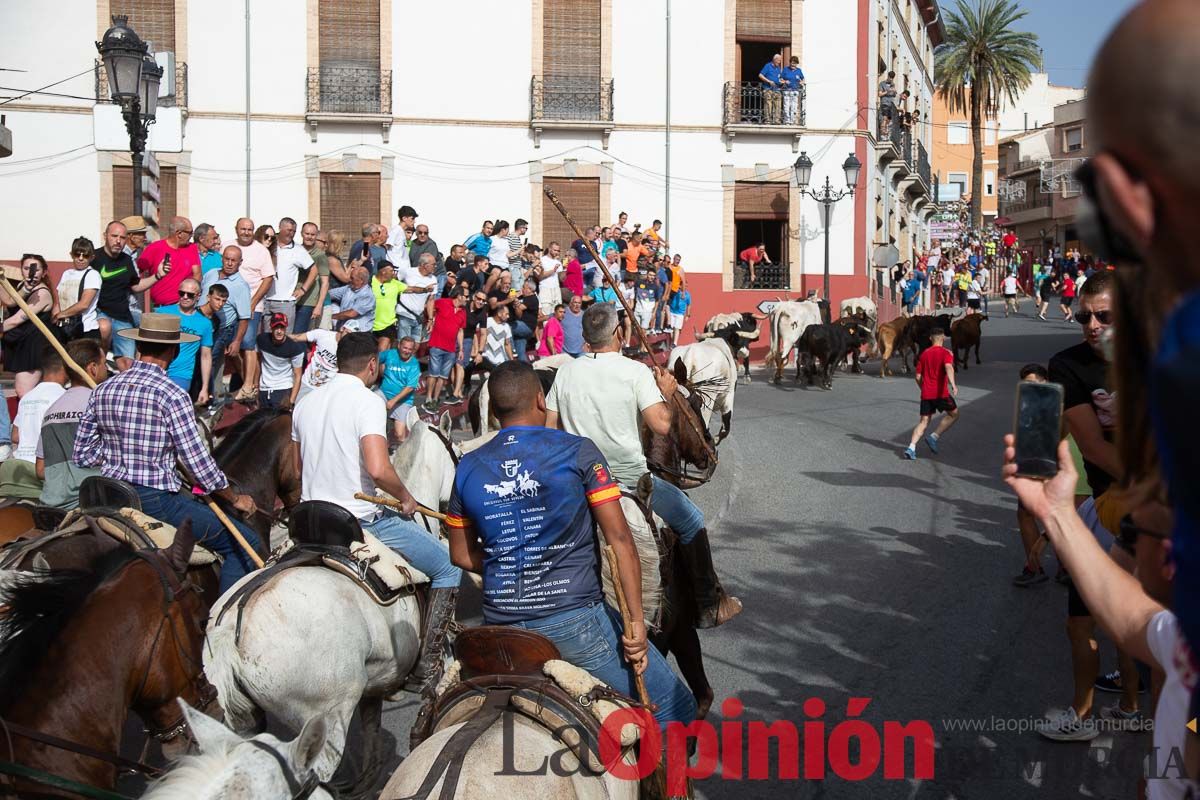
(79, 292)
(500, 250)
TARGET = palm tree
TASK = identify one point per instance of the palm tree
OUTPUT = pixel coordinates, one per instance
(983, 63)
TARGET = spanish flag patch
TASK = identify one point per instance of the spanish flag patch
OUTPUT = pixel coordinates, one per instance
(604, 495)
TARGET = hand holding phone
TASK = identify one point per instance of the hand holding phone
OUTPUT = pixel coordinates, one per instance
(1037, 427)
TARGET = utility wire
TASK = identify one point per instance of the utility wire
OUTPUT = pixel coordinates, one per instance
(47, 86)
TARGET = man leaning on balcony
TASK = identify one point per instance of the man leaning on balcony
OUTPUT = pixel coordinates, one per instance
(771, 77)
(793, 79)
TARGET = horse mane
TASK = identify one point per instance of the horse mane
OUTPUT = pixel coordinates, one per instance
(244, 432)
(709, 388)
(191, 772)
(40, 604)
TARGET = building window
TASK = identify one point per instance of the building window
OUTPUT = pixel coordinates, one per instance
(349, 79)
(571, 86)
(122, 188)
(760, 214)
(154, 21)
(959, 179)
(989, 183)
(581, 196)
(1073, 139)
(989, 133)
(958, 133)
(348, 201)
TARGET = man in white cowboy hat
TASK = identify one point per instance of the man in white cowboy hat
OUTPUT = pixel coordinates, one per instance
(137, 424)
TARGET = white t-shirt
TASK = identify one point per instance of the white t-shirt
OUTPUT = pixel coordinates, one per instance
(498, 252)
(549, 289)
(276, 373)
(1170, 716)
(973, 290)
(288, 263)
(947, 276)
(412, 304)
(323, 364)
(72, 285)
(329, 425)
(983, 276)
(497, 334)
(1010, 285)
(398, 246)
(30, 413)
(601, 396)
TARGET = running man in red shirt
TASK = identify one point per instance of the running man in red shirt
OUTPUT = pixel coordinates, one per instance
(1068, 295)
(935, 376)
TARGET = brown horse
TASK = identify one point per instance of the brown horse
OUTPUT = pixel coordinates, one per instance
(15, 519)
(256, 457)
(82, 648)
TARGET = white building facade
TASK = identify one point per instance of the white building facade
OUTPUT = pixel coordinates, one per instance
(340, 111)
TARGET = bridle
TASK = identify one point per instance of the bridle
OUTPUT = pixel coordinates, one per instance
(300, 790)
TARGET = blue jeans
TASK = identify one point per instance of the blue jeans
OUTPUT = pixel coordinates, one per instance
(173, 509)
(522, 336)
(248, 341)
(407, 326)
(418, 546)
(441, 283)
(121, 347)
(676, 509)
(590, 638)
(984, 295)
(273, 398)
(303, 319)
(5, 421)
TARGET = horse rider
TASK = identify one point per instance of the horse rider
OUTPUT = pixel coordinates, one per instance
(138, 423)
(340, 436)
(522, 513)
(599, 396)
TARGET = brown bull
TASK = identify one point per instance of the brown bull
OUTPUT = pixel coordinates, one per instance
(887, 337)
(965, 333)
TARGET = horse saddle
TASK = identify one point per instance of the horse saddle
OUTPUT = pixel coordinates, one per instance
(323, 524)
(98, 491)
(501, 650)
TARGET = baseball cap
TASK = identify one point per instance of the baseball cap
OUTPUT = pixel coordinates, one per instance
(279, 320)
(383, 262)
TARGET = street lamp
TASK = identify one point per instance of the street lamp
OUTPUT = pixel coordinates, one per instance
(133, 79)
(827, 196)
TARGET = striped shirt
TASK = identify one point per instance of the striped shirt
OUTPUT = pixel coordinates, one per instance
(498, 333)
(136, 425)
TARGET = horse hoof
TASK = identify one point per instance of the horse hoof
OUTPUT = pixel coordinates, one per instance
(703, 704)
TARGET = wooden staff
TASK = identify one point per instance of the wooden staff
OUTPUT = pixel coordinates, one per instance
(627, 618)
(390, 503)
(641, 334)
(70, 362)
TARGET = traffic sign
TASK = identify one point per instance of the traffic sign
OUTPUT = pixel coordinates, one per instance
(767, 306)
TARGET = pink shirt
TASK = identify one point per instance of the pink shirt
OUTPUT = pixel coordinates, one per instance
(256, 265)
(573, 280)
(551, 331)
(185, 263)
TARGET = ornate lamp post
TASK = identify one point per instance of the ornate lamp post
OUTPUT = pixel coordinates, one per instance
(827, 196)
(133, 79)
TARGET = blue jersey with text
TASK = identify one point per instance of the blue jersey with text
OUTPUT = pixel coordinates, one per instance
(527, 495)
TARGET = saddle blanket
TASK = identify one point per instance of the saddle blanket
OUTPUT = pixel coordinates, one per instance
(158, 532)
(389, 566)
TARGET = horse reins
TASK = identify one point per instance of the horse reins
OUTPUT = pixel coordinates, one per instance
(300, 791)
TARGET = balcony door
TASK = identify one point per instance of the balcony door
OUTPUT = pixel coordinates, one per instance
(349, 54)
(764, 28)
(570, 84)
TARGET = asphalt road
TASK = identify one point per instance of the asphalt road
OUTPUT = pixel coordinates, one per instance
(866, 576)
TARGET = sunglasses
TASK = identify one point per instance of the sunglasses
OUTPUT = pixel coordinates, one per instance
(186, 294)
(1103, 317)
(80, 254)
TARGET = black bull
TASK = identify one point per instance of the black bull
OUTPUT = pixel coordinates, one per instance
(829, 344)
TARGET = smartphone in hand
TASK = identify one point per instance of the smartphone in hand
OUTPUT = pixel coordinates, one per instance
(1037, 427)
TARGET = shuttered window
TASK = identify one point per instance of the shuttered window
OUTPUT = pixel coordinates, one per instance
(348, 201)
(766, 18)
(349, 33)
(581, 197)
(761, 201)
(123, 193)
(154, 21)
(571, 38)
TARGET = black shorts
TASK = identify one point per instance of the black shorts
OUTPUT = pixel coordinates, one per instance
(1066, 301)
(931, 407)
(1009, 297)
(973, 302)
(387, 333)
(1075, 605)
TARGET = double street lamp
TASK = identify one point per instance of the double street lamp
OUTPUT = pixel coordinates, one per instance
(827, 196)
(133, 79)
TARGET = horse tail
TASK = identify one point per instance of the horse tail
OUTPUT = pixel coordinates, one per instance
(221, 660)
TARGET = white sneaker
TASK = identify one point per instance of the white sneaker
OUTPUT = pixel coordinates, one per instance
(5, 452)
(1118, 718)
(1064, 725)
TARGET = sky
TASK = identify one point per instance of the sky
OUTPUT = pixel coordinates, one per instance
(1070, 32)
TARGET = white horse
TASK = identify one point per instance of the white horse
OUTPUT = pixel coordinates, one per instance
(263, 768)
(313, 642)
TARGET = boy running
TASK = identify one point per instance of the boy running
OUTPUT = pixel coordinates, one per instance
(935, 376)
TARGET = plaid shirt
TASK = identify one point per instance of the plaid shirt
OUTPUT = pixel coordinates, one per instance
(135, 426)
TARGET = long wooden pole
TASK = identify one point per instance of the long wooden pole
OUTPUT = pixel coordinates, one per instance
(70, 362)
(641, 334)
(390, 503)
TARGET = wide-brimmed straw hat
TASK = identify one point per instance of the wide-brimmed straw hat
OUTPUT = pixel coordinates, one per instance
(159, 329)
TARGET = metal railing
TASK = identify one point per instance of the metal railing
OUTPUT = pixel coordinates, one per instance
(341, 89)
(570, 98)
(178, 98)
(750, 103)
(923, 168)
(767, 277)
(1034, 198)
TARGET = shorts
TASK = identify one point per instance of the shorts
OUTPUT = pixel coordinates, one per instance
(121, 347)
(887, 110)
(386, 333)
(973, 302)
(400, 412)
(468, 343)
(440, 362)
(248, 341)
(1067, 301)
(676, 320)
(1009, 298)
(930, 407)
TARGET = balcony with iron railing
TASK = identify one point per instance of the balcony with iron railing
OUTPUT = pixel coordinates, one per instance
(570, 102)
(771, 277)
(1032, 204)
(923, 168)
(750, 108)
(172, 89)
(347, 93)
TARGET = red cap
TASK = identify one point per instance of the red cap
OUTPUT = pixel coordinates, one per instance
(278, 320)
